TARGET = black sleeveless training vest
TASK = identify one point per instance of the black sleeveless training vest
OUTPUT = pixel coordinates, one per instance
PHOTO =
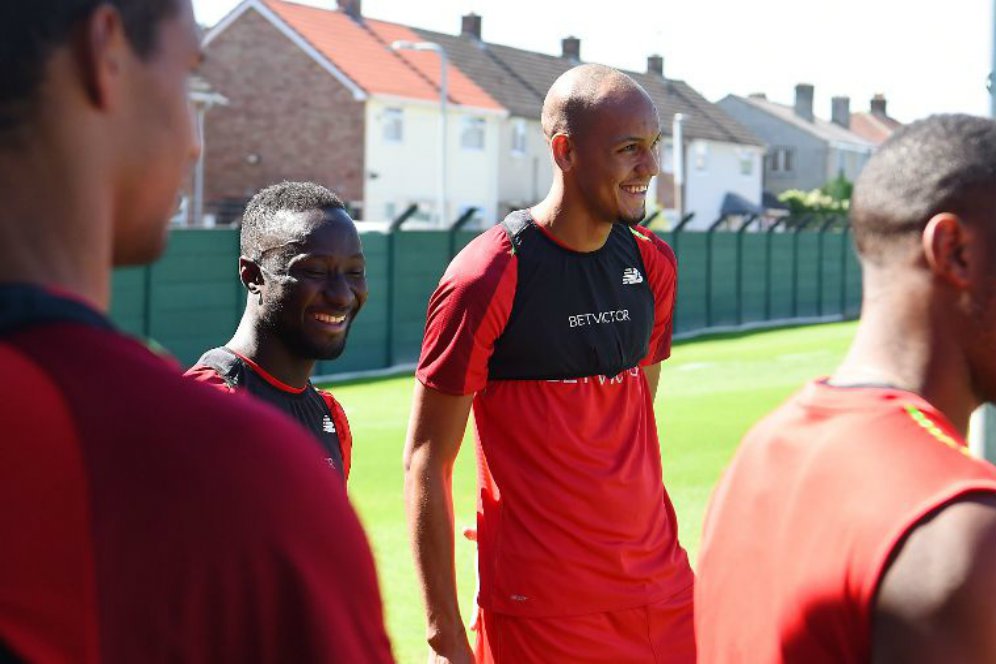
(574, 314)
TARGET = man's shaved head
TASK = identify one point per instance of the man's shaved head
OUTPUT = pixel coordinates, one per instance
(580, 91)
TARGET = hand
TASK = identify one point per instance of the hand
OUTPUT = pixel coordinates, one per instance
(459, 654)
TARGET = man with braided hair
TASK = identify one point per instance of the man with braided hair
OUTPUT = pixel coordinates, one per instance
(552, 327)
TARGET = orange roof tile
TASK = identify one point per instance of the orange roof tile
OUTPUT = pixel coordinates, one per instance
(873, 127)
(362, 52)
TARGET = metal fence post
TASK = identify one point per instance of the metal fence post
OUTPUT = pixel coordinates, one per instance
(803, 222)
(740, 266)
(708, 269)
(676, 231)
(819, 263)
(767, 266)
(647, 220)
(457, 225)
(392, 269)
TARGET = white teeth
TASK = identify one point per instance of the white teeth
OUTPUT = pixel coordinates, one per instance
(326, 318)
(636, 190)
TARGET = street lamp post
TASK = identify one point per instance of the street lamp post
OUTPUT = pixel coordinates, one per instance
(433, 46)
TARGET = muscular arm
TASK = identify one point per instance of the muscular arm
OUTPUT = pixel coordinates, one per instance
(937, 600)
(435, 431)
(653, 374)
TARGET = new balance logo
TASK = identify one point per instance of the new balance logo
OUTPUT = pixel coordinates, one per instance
(632, 276)
(327, 425)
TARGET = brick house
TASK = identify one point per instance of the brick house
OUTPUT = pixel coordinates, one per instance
(319, 94)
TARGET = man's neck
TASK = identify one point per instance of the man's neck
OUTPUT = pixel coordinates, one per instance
(55, 224)
(254, 342)
(902, 347)
(570, 223)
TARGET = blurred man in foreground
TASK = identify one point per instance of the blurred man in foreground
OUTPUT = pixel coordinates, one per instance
(852, 524)
(143, 517)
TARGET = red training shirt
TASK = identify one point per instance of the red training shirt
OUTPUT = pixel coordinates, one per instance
(573, 517)
(802, 524)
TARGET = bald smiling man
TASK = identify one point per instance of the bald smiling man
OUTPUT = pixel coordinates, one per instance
(552, 327)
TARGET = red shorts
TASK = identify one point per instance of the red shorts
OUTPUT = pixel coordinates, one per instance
(660, 633)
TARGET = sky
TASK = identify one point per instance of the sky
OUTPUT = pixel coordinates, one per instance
(925, 57)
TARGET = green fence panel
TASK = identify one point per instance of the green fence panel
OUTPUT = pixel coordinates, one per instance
(780, 299)
(690, 313)
(752, 274)
(807, 274)
(831, 276)
(723, 295)
(192, 300)
(421, 258)
(128, 299)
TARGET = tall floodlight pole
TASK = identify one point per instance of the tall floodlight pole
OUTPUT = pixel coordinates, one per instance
(401, 45)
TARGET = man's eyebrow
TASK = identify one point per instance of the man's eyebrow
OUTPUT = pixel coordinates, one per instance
(639, 139)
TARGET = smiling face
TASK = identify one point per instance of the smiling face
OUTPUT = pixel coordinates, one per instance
(616, 155)
(313, 283)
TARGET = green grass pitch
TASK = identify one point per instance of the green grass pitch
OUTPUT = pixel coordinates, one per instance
(711, 391)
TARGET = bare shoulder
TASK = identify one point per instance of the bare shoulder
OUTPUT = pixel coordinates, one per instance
(937, 598)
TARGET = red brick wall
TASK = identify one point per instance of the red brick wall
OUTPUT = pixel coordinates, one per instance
(299, 119)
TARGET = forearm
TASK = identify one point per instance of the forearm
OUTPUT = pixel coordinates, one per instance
(429, 504)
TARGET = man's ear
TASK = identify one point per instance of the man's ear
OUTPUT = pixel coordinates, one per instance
(250, 275)
(946, 241)
(563, 151)
(102, 53)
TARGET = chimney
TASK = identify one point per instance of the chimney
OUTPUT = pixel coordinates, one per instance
(840, 111)
(804, 101)
(757, 95)
(354, 8)
(571, 48)
(655, 65)
(470, 26)
(878, 105)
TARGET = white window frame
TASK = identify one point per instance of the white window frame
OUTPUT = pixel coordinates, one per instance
(519, 137)
(782, 160)
(393, 125)
(472, 133)
(667, 157)
(701, 157)
(746, 163)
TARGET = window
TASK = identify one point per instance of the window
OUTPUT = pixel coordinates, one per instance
(780, 160)
(472, 133)
(393, 125)
(519, 137)
(701, 156)
(746, 163)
